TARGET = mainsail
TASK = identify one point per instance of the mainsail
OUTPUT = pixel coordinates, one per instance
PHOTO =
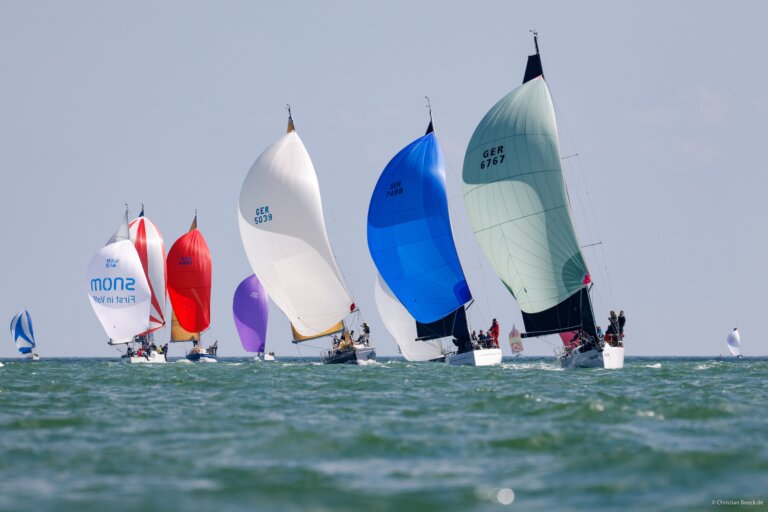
(118, 288)
(283, 231)
(516, 200)
(189, 281)
(734, 343)
(149, 244)
(250, 307)
(403, 327)
(21, 330)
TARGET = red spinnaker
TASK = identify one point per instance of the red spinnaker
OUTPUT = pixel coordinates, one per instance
(189, 281)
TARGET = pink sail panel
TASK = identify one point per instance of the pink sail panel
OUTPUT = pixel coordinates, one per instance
(570, 339)
(189, 280)
(151, 248)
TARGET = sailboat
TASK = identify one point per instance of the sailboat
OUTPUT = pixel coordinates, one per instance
(189, 288)
(24, 335)
(734, 343)
(403, 328)
(118, 288)
(149, 245)
(516, 200)
(411, 243)
(283, 232)
(250, 308)
(515, 342)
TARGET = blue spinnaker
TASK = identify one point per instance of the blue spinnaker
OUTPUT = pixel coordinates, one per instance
(409, 233)
(23, 335)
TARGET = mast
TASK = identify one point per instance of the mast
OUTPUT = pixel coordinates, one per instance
(431, 127)
(291, 128)
(533, 69)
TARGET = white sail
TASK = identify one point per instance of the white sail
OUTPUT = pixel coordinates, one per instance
(149, 244)
(283, 232)
(117, 287)
(734, 342)
(402, 326)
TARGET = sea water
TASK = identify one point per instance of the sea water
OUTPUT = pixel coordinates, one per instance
(661, 434)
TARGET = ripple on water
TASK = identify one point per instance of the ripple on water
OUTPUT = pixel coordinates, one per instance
(296, 435)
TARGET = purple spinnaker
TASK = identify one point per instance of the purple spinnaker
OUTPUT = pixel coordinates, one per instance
(250, 308)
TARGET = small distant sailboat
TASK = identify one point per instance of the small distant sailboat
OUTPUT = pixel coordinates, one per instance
(734, 343)
(118, 288)
(403, 328)
(517, 204)
(283, 232)
(411, 243)
(24, 335)
(250, 308)
(189, 288)
(516, 342)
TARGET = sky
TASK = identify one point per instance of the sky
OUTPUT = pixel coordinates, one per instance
(169, 103)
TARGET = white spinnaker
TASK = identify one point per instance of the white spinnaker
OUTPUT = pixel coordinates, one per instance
(517, 204)
(283, 231)
(402, 326)
(148, 240)
(734, 342)
(117, 287)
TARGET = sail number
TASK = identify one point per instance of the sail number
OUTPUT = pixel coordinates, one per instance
(493, 156)
(262, 215)
(395, 189)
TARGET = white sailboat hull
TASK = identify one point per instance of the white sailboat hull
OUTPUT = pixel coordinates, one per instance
(153, 358)
(261, 356)
(613, 357)
(586, 359)
(482, 357)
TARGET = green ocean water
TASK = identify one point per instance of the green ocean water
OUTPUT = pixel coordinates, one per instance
(661, 434)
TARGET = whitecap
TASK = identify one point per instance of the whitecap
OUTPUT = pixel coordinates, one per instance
(657, 365)
(370, 362)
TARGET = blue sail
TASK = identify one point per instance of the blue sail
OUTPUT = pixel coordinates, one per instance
(409, 233)
(21, 330)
